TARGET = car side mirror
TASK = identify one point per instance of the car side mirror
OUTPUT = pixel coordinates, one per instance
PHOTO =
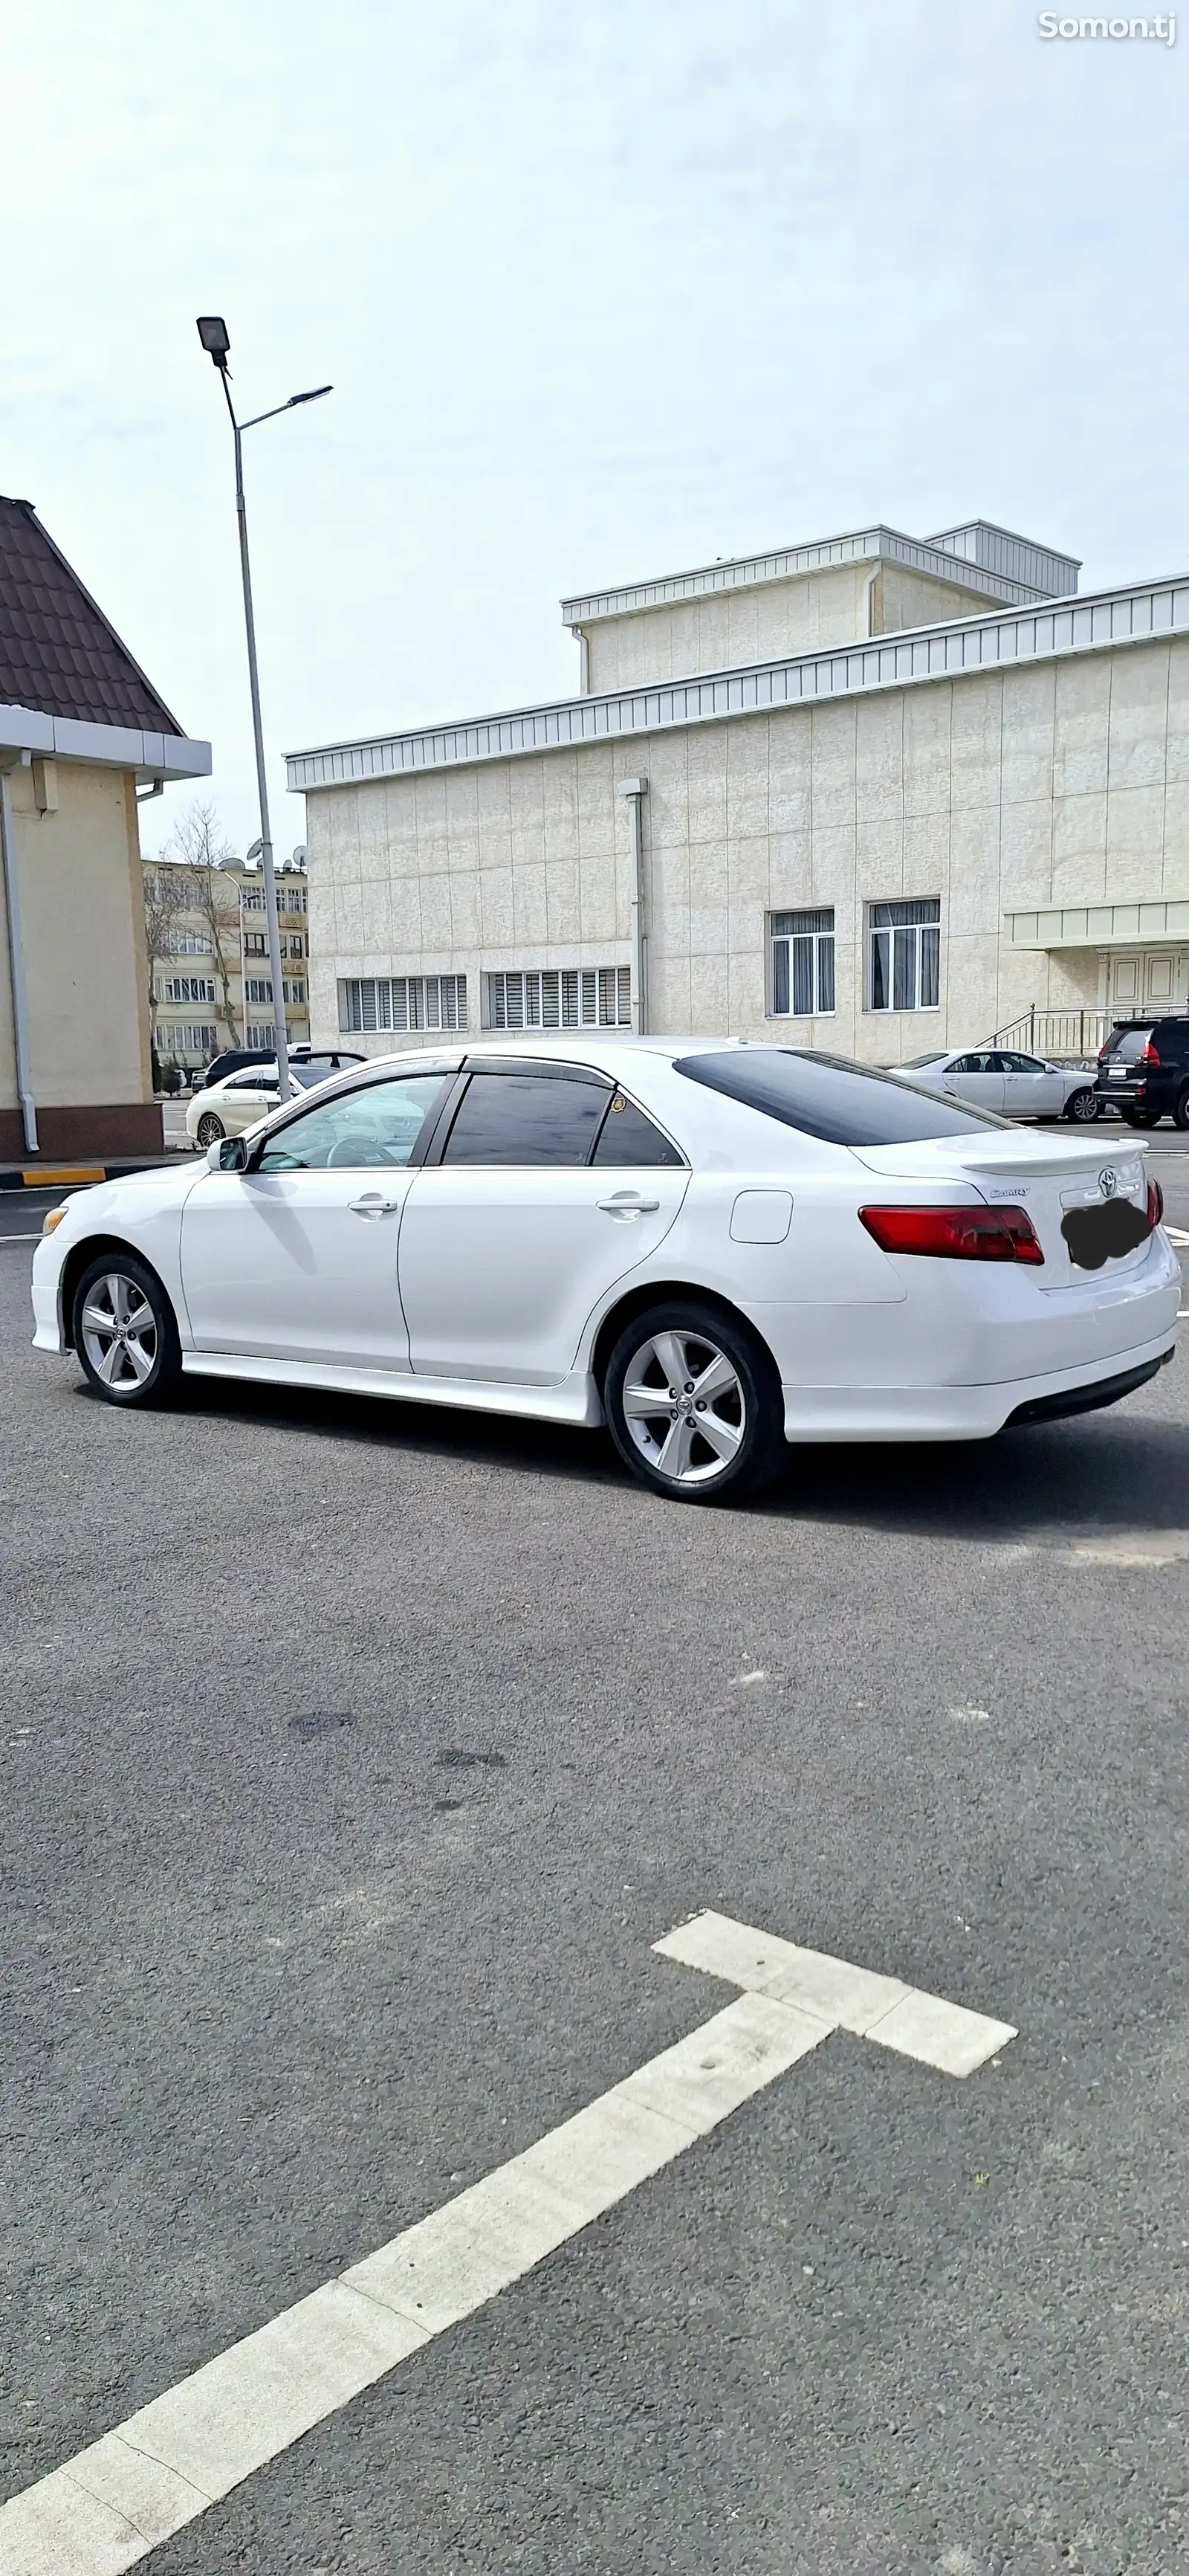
(228, 1154)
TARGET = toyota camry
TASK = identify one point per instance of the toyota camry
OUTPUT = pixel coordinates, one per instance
(715, 1249)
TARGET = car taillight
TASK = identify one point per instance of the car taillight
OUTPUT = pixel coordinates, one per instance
(955, 1233)
(1155, 1203)
(1151, 1054)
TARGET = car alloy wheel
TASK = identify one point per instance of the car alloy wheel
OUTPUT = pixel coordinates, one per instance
(1082, 1109)
(119, 1332)
(210, 1128)
(685, 1407)
(124, 1331)
(1180, 1116)
(693, 1403)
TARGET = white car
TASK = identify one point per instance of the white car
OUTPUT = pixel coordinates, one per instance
(241, 1100)
(715, 1248)
(1010, 1084)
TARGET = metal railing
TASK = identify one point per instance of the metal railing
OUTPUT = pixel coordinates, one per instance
(1074, 1035)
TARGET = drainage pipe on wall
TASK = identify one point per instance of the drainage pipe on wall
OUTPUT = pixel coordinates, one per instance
(635, 790)
(16, 967)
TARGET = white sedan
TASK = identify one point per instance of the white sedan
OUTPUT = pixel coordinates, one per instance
(241, 1100)
(1011, 1084)
(714, 1248)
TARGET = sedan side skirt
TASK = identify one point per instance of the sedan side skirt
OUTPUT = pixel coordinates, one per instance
(573, 1399)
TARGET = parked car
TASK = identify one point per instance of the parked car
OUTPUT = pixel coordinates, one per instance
(714, 1248)
(241, 1100)
(1144, 1070)
(1013, 1085)
(240, 1059)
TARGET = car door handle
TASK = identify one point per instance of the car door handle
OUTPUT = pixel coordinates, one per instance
(372, 1204)
(628, 1203)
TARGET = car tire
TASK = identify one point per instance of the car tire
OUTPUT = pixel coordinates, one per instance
(1081, 1108)
(1142, 1117)
(668, 1351)
(1180, 1115)
(209, 1128)
(124, 1331)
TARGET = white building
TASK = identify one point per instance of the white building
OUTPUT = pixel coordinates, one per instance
(873, 794)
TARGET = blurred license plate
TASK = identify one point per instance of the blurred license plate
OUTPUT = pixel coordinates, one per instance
(1104, 1233)
(1116, 1073)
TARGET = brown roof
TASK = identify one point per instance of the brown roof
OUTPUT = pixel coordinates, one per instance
(58, 653)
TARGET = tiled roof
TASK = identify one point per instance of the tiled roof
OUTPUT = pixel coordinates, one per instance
(58, 653)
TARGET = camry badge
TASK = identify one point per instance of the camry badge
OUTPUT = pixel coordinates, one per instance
(1108, 1182)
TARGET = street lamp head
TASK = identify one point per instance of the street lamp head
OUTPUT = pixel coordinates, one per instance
(314, 396)
(212, 331)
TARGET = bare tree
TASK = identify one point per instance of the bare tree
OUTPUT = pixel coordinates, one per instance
(165, 897)
(199, 852)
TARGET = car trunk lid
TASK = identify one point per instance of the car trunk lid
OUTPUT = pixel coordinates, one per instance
(1049, 1179)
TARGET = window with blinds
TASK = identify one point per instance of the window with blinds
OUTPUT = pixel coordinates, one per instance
(802, 963)
(403, 1002)
(580, 997)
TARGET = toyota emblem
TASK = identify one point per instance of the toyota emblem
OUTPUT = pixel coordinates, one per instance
(1108, 1182)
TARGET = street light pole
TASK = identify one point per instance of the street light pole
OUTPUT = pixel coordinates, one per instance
(212, 331)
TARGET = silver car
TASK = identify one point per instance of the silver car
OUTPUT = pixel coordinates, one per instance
(1002, 1079)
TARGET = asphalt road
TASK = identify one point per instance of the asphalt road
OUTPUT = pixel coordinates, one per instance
(353, 1761)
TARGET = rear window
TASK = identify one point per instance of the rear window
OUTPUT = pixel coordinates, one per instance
(1127, 1045)
(827, 1096)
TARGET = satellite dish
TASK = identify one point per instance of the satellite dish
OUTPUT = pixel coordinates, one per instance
(299, 855)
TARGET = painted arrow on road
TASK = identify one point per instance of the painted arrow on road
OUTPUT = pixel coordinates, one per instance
(117, 2500)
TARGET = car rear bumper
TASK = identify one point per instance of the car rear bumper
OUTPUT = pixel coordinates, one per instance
(881, 1413)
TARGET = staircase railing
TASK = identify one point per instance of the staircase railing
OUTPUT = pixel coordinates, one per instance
(1075, 1035)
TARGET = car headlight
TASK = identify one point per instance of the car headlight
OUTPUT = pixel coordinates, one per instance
(52, 1218)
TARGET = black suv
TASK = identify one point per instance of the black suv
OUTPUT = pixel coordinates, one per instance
(1144, 1069)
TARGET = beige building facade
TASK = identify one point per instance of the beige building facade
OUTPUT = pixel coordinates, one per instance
(83, 735)
(887, 837)
(210, 981)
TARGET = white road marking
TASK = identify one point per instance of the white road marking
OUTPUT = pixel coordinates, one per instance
(112, 2503)
(969, 1715)
(1176, 1234)
(916, 2025)
(20, 1238)
(1131, 1547)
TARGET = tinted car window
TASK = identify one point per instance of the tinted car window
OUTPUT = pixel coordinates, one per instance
(526, 1118)
(972, 1064)
(359, 1130)
(826, 1096)
(628, 1137)
(1127, 1044)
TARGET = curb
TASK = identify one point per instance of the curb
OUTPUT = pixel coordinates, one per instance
(55, 1176)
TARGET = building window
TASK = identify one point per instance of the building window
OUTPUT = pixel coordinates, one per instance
(295, 992)
(262, 1039)
(291, 898)
(403, 1002)
(193, 943)
(259, 988)
(188, 988)
(802, 963)
(587, 997)
(255, 944)
(252, 898)
(905, 951)
(186, 1038)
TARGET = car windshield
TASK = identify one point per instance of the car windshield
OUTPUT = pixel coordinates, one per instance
(829, 1097)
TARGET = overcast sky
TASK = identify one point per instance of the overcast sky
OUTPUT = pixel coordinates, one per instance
(603, 293)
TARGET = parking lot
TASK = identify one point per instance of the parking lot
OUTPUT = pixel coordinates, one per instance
(355, 1760)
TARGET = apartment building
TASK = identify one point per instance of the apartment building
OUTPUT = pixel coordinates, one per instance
(872, 794)
(207, 936)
